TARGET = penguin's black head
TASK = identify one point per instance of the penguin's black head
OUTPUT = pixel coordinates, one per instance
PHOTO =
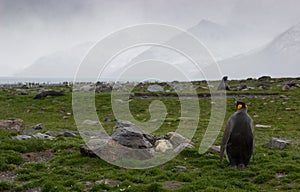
(241, 105)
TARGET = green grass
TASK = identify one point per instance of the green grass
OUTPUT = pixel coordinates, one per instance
(68, 170)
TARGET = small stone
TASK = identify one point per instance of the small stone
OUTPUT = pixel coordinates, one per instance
(122, 102)
(22, 137)
(215, 148)
(180, 168)
(39, 126)
(42, 136)
(262, 126)
(66, 117)
(280, 175)
(69, 134)
(88, 184)
(289, 109)
(276, 143)
(283, 96)
(106, 119)
(285, 88)
(89, 122)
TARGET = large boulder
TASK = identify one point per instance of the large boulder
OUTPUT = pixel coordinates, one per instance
(110, 150)
(47, 93)
(13, 124)
(128, 141)
(129, 135)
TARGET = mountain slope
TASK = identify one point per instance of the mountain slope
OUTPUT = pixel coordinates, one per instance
(279, 58)
(58, 64)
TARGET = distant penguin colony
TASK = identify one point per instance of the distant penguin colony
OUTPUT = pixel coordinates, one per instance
(238, 138)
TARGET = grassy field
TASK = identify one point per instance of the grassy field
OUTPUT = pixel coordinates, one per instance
(58, 165)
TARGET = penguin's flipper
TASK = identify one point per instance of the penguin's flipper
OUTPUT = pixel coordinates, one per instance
(225, 139)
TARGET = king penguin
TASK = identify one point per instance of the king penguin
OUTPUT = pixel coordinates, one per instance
(238, 138)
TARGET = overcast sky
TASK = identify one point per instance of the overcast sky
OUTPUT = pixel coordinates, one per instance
(30, 29)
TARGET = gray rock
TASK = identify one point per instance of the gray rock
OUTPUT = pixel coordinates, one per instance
(22, 137)
(128, 134)
(62, 133)
(21, 92)
(93, 135)
(285, 87)
(89, 122)
(13, 124)
(110, 150)
(103, 88)
(86, 88)
(276, 143)
(106, 119)
(30, 131)
(183, 146)
(39, 126)
(264, 78)
(47, 93)
(178, 140)
(289, 109)
(180, 168)
(280, 175)
(69, 134)
(262, 86)
(42, 136)
(155, 88)
(163, 145)
(283, 96)
(263, 126)
(122, 102)
(215, 148)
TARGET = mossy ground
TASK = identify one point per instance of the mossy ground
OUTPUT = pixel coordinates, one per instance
(68, 170)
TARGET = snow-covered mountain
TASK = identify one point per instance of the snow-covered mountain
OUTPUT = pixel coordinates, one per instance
(279, 58)
(222, 41)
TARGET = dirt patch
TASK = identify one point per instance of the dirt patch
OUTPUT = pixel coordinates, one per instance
(171, 185)
(38, 157)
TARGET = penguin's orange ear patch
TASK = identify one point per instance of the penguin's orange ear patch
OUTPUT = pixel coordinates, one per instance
(239, 106)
